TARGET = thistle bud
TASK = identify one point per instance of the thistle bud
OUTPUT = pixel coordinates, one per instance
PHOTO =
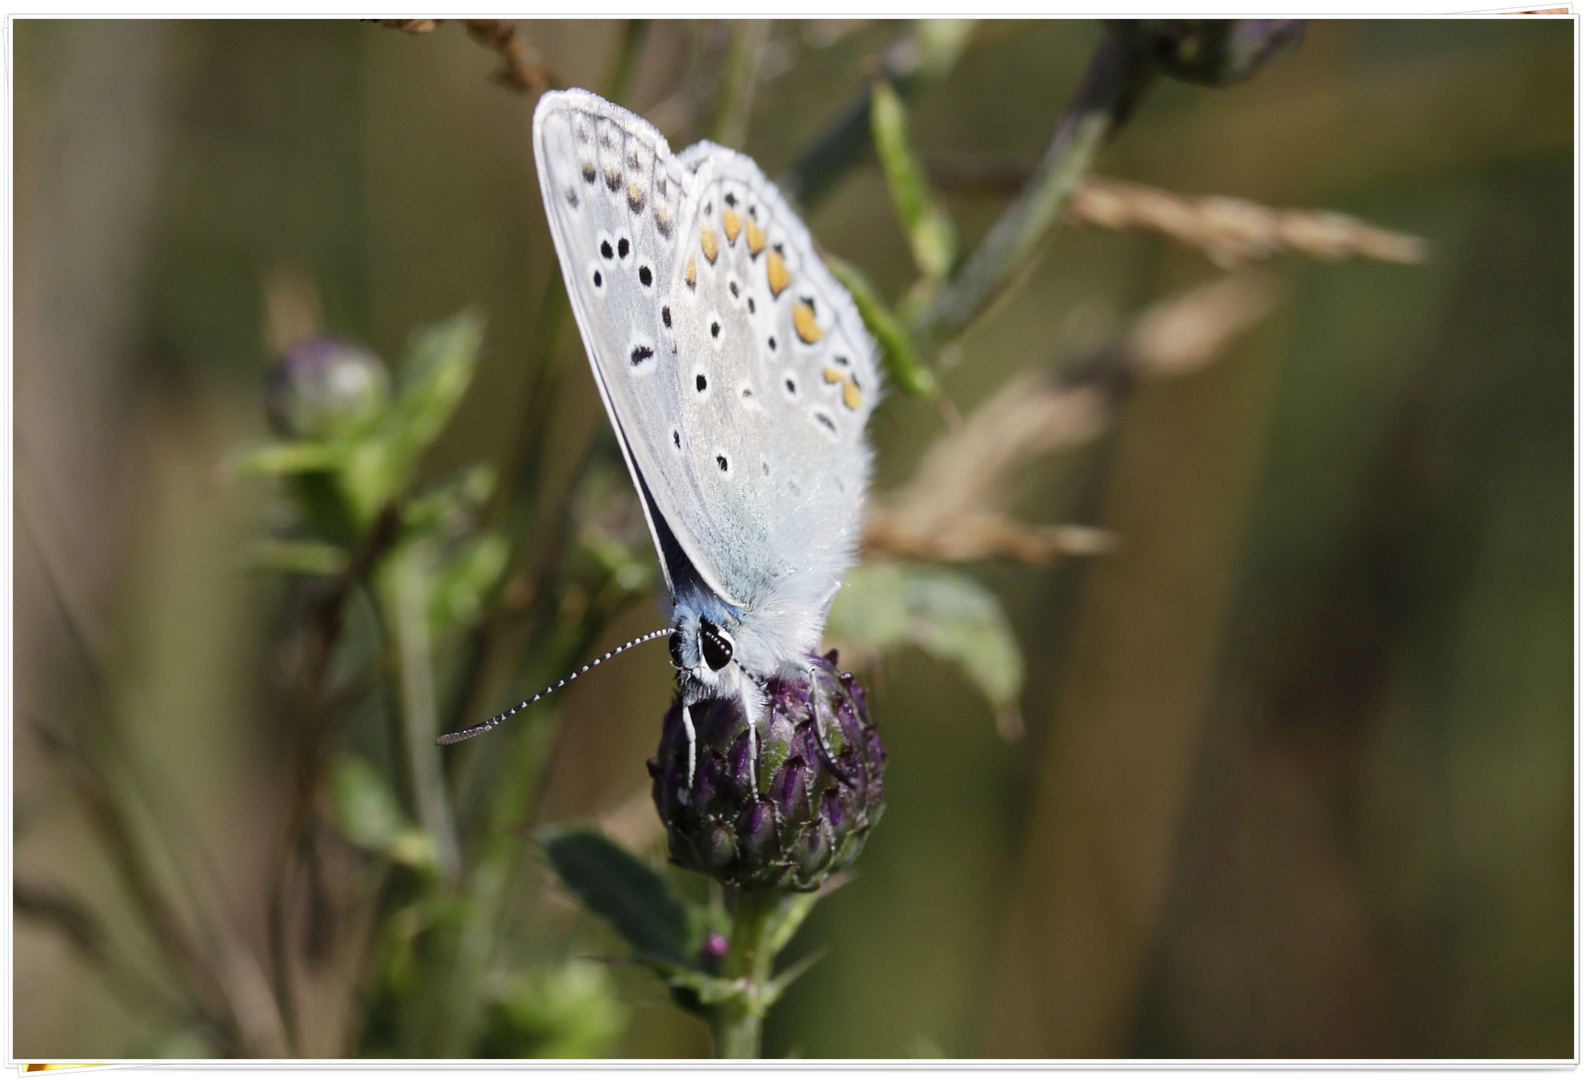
(793, 812)
(1213, 52)
(323, 386)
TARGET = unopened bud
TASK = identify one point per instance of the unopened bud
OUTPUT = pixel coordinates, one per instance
(324, 386)
(794, 813)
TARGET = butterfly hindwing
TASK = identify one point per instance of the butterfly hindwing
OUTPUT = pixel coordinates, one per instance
(735, 370)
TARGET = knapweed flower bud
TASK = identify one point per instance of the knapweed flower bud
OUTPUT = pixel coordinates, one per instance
(323, 386)
(1213, 52)
(794, 813)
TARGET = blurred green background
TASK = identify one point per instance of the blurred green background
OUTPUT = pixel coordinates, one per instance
(1297, 778)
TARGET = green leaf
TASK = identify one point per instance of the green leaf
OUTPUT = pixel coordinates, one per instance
(568, 1011)
(792, 912)
(434, 372)
(635, 899)
(939, 44)
(366, 810)
(947, 613)
(296, 556)
(781, 982)
(287, 458)
(900, 355)
(928, 228)
(708, 989)
(461, 584)
(367, 813)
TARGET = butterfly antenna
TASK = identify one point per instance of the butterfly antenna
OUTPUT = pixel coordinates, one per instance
(486, 725)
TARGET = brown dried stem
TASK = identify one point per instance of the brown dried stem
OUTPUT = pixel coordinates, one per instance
(1235, 231)
(522, 68)
(1229, 230)
(954, 507)
(84, 933)
(409, 26)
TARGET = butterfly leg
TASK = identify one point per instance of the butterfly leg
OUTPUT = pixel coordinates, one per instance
(753, 704)
(690, 743)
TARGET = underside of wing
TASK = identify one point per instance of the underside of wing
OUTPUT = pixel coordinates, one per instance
(736, 372)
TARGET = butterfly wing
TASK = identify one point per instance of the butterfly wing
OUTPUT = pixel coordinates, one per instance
(735, 370)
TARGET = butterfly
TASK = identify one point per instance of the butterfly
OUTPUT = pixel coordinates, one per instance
(737, 375)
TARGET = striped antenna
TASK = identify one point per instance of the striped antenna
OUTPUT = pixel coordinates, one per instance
(482, 728)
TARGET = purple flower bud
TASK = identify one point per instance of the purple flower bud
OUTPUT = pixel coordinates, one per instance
(324, 386)
(818, 787)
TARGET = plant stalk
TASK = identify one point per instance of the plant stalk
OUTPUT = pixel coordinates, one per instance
(737, 1023)
(738, 84)
(1116, 79)
(402, 588)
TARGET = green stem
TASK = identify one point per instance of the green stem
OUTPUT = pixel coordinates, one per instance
(738, 83)
(621, 74)
(402, 587)
(737, 1023)
(1116, 79)
(923, 55)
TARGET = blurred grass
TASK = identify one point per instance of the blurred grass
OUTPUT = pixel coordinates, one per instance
(1357, 807)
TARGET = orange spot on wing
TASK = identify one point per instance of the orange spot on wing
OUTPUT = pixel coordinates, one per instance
(778, 276)
(830, 375)
(806, 323)
(710, 244)
(754, 238)
(731, 226)
(690, 271)
(852, 394)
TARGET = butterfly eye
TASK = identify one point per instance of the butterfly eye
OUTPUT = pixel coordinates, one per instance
(718, 648)
(676, 642)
